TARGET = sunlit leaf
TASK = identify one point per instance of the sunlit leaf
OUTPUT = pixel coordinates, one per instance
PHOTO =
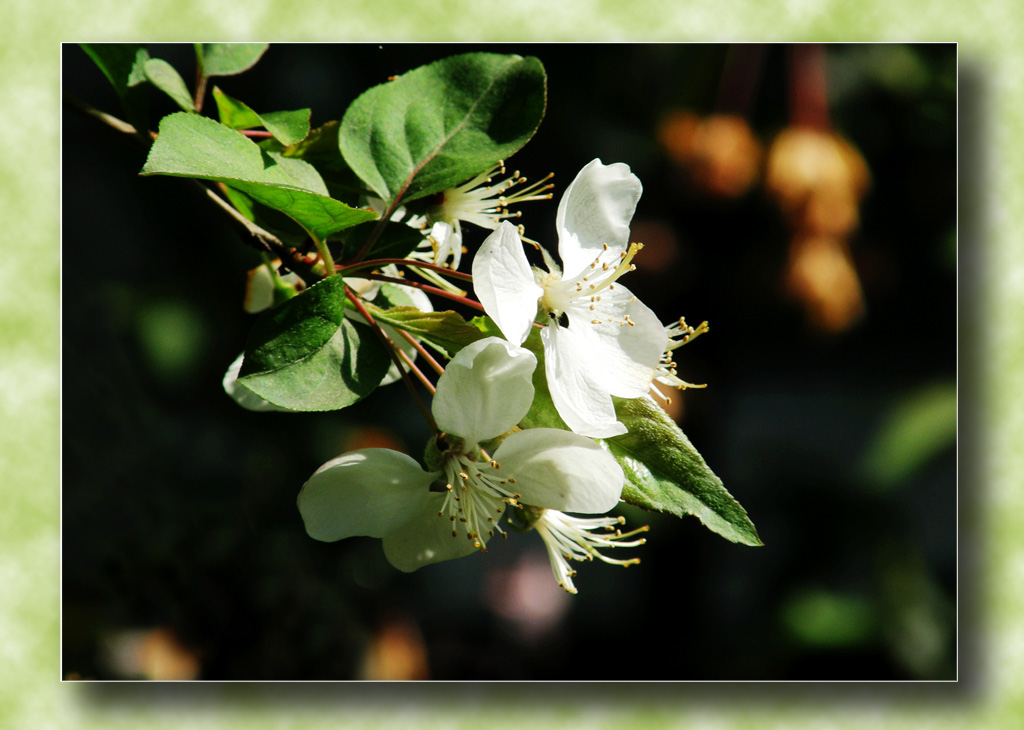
(190, 145)
(166, 78)
(440, 124)
(288, 127)
(445, 330)
(664, 472)
(227, 59)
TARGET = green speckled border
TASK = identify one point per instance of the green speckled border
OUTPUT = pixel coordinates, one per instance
(31, 694)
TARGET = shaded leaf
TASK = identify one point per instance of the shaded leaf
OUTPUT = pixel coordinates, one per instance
(227, 59)
(190, 145)
(122, 63)
(307, 356)
(443, 123)
(124, 66)
(396, 242)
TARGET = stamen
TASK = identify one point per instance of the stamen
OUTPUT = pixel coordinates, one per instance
(483, 496)
(573, 538)
(679, 334)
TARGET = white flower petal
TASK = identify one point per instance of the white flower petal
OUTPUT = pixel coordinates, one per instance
(579, 401)
(625, 356)
(594, 210)
(242, 395)
(561, 470)
(426, 539)
(504, 283)
(486, 389)
(367, 492)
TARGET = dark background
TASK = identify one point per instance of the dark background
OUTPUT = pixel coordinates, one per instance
(178, 507)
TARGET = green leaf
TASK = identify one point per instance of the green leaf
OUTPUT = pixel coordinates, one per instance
(307, 356)
(443, 123)
(122, 63)
(124, 66)
(447, 331)
(827, 619)
(320, 149)
(227, 59)
(190, 145)
(914, 430)
(287, 230)
(287, 127)
(665, 473)
(166, 78)
(233, 113)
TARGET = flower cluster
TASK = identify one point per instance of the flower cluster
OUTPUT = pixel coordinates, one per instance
(598, 342)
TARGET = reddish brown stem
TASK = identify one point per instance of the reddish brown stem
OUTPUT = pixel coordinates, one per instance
(415, 370)
(392, 350)
(438, 368)
(406, 262)
(428, 289)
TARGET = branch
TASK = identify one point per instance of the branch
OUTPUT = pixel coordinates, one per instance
(266, 241)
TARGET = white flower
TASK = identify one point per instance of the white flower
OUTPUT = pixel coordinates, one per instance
(601, 341)
(574, 538)
(452, 510)
(479, 201)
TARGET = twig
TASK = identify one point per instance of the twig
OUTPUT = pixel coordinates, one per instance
(428, 289)
(373, 263)
(438, 368)
(290, 257)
